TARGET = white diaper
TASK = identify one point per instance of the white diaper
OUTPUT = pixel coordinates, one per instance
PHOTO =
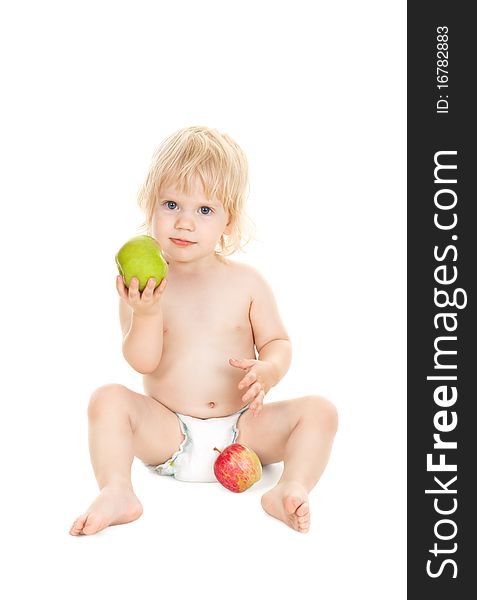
(195, 458)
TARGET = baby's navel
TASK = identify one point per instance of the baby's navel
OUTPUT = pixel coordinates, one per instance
(211, 404)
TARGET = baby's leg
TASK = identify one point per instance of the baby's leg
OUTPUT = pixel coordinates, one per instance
(123, 424)
(300, 433)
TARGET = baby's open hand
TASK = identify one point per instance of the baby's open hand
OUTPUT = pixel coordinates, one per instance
(259, 379)
(145, 303)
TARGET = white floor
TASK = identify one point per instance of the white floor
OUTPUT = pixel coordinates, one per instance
(197, 540)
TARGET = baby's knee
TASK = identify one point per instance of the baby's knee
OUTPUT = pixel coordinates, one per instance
(326, 412)
(105, 397)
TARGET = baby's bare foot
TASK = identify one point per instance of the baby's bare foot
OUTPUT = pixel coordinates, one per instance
(113, 506)
(288, 501)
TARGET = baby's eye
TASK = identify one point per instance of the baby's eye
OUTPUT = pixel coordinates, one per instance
(205, 210)
(170, 204)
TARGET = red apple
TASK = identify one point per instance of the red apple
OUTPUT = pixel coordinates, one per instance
(237, 467)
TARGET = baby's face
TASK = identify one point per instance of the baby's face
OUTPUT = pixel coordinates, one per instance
(188, 226)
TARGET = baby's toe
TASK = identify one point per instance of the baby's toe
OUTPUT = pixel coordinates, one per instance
(92, 525)
(304, 523)
(303, 510)
(302, 517)
(291, 504)
(77, 526)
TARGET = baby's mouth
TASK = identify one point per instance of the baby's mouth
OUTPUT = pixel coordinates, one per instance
(181, 242)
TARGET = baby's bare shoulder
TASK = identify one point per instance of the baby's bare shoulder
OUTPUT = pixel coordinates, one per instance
(245, 273)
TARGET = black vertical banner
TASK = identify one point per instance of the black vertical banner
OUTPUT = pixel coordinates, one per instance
(442, 356)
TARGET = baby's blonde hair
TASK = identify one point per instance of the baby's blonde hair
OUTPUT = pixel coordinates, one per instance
(220, 165)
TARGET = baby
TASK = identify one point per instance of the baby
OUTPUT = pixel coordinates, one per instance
(210, 344)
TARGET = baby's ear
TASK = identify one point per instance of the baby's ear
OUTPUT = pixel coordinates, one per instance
(228, 227)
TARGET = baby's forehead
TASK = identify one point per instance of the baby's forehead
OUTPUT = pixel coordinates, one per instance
(194, 192)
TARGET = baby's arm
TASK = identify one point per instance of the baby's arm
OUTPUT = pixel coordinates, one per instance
(142, 324)
(272, 344)
(271, 338)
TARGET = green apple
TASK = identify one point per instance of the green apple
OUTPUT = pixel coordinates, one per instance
(141, 257)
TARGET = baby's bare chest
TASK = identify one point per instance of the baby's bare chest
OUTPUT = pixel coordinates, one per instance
(212, 314)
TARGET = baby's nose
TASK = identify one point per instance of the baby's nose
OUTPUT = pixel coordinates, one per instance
(185, 222)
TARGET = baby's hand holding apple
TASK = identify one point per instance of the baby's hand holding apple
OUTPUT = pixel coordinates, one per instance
(142, 268)
(145, 303)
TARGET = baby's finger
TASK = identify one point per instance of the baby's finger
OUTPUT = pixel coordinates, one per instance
(245, 363)
(255, 408)
(257, 401)
(250, 377)
(134, 289)
(160, 288)
(252, 392)
(148, 290)
(121, 287)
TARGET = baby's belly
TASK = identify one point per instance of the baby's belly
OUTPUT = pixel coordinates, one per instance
(199, 382)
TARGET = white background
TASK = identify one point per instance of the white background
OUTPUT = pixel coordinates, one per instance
(314, 92)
